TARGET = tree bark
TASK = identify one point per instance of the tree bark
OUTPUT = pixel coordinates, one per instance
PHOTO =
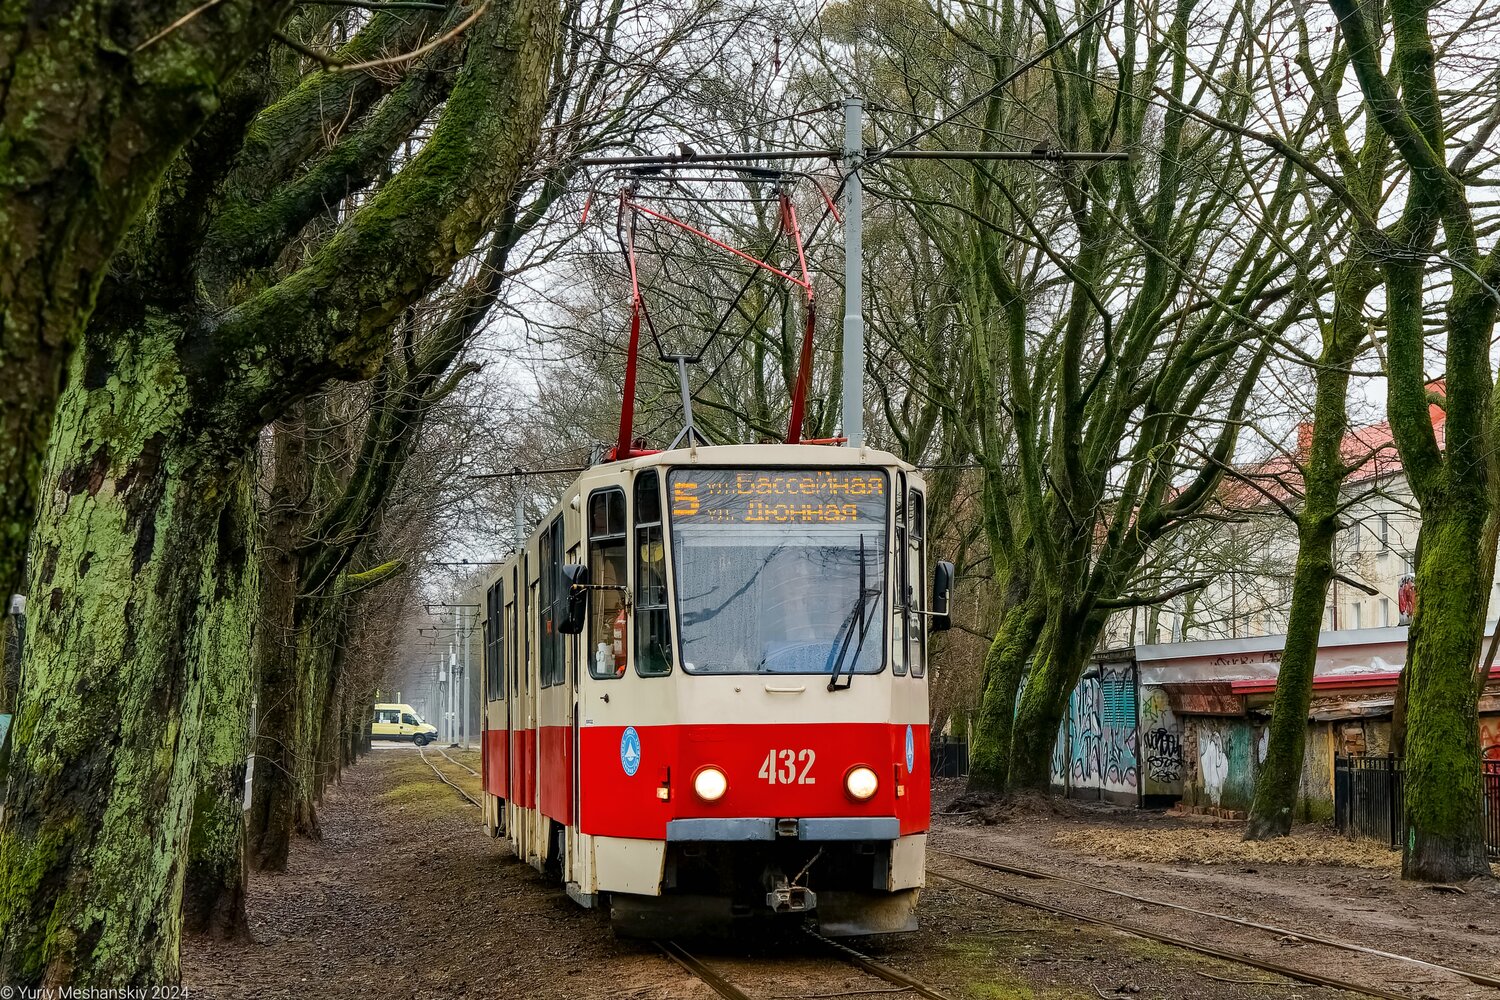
(1054, 673)
(93, 111)
(990, 750)
(213, 902)
(107, 742)
(274, 791)
(1280, 774)
(1324, 470)
(1444, 796)
(161, 414)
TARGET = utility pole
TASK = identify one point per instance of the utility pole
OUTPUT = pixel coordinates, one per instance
(854, 260)
(441, 673)
(463, 638)
(448, 713)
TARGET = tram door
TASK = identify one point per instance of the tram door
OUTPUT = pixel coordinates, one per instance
(515, 664)
(525, 828)
(553, 696)
(570, 720)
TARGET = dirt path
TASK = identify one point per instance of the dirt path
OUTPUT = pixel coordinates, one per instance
(405, 897)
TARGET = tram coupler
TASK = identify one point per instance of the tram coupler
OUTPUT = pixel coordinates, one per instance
(787, 898)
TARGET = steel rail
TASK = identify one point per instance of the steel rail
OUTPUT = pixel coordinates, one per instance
(445, 779)
(457, 763)
(1478, 978)
(1202, 949)
(878, 969)
(708, 976)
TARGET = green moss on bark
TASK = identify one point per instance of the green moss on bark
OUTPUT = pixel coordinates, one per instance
(214, 891)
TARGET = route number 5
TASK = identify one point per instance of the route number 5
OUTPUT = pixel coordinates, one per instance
(781, 767)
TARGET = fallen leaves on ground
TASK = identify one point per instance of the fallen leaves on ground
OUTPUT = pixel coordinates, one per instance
(1223, 846)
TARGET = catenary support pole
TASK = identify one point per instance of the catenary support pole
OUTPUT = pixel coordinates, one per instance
(854, 320)
(463, 637)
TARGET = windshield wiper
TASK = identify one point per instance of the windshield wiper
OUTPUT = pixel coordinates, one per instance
(835, 662)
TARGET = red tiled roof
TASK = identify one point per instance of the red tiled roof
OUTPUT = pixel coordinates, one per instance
(1369, 447)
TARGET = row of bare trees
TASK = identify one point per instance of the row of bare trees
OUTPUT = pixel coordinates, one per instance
(256, 201)
(1093, 359)
(250, 204)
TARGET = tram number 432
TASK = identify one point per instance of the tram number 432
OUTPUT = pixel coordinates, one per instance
(788, 767)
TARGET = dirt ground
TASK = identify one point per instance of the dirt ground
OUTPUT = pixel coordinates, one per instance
(1313, 883)
(405, 897)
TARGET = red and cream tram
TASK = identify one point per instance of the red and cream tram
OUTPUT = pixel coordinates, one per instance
(706, 689)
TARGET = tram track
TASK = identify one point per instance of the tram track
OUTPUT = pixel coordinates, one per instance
(729, 990)
(457, 763)
(1176, 940)
(447, 780)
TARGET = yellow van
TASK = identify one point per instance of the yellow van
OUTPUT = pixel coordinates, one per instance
(401, 722)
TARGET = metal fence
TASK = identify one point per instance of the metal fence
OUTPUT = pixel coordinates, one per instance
(950, 757)
(1369, 799)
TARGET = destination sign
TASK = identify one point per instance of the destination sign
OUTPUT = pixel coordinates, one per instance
(778, 496)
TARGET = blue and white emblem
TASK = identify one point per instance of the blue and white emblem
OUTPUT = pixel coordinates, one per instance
(630, 750)
(911, 751)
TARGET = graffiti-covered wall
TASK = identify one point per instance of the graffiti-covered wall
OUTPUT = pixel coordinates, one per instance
(1161, 750)
(1097, 753)
(1219, 762)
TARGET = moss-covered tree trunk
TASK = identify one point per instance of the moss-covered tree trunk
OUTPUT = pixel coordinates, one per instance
(158, 421)
(12, 643)
(1452, 479)
(1004, 663)
(318, 633)
(273, 801)
(1279, 777)
(96, 103)
(1056, 669)
(1444, 797)
(213, 901)
(107, 741)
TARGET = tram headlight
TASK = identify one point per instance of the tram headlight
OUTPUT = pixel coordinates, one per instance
(709, 784)
(861, 783)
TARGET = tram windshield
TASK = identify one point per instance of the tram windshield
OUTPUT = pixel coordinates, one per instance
(780, 571)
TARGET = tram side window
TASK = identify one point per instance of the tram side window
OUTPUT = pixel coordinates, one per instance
(607, 551)
(552, 602)
(513, 611)
(900, 642)
(494, 646)
(653, 640)
(917, 575)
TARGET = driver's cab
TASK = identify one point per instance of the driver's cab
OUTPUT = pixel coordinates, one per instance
(401, 722)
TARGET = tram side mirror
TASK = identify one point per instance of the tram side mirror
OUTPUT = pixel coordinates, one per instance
(576, 580)
(941, 619)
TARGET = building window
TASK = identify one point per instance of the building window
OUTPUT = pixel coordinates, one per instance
(606, 569)
(1385, 612)
(1355, 530)
(1354, 616)
(1409, 561)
